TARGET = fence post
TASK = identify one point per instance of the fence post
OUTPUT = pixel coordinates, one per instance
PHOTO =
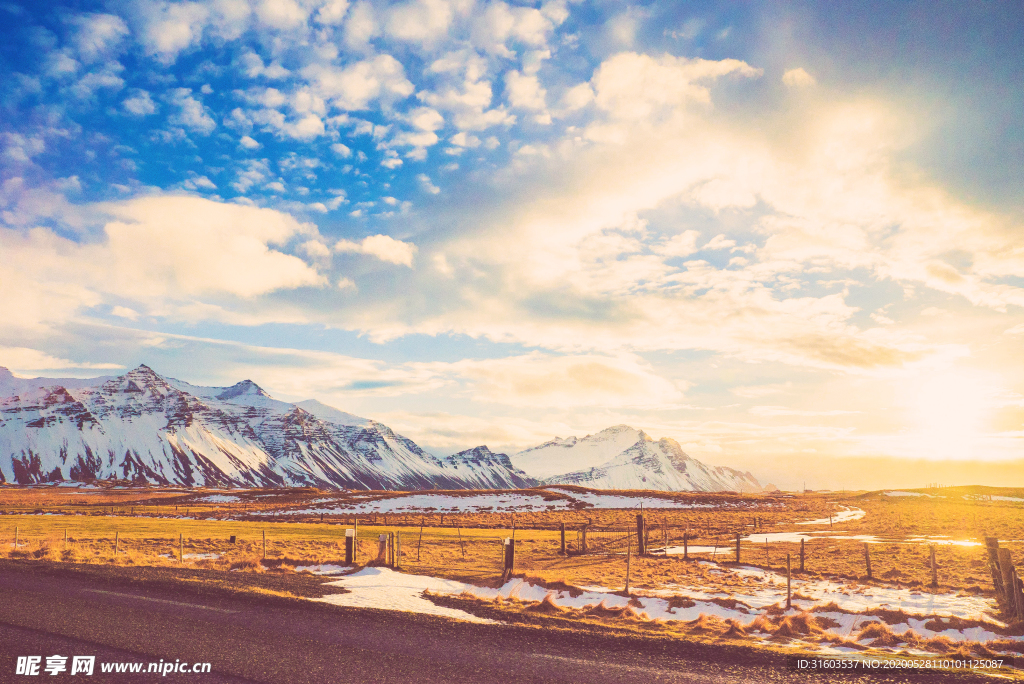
(420, 542)
(686, 544)
(583, 541)
(992, 549)
(65, 537)
(398, 549)
(801, 554)
(561, 527)
(15, 537)
(935, 572)
(264, 545)
(181, 548)
(117, 542)
(1006, 569)
(737, 547)
(1019, 596)
(355, 538)
(789, 583)
(463, 544)
(350, 547)
(641, 535)
(629, 553)
(867, 559)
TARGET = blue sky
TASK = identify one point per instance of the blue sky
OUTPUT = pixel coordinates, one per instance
(787, 234)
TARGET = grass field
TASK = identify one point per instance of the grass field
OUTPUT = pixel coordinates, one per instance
(148, 523)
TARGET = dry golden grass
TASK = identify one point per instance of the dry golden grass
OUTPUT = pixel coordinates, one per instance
(467, 546)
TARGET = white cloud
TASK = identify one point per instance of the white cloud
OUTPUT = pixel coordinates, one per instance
(360, 26)
(420, 21)
(191, 113)
(167, 253)
(98, 35)
(281, 14)
(383, 247)
(427, 185)
(140, 103)
(525, 92)
(639, 87)
(341, 150)
(22, 359)
(248, 143)
(798, 78)
(169, 28)
(332, 12)
(354, 87)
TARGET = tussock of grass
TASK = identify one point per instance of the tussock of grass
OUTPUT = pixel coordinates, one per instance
(706, 624)
(794, 626)
(762, 623)
(735, 630)
(680, 602)
(548, 606)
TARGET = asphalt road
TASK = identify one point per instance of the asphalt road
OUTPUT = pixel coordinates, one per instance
(256, 641)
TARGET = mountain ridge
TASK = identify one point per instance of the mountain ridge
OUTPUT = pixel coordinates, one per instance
(144, 427)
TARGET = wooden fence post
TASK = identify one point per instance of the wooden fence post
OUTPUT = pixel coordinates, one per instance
(463, 544)
(641, 535)
(15, 537)
(583, 540)
(561, 528)
(992, 549)
(355, 539)
(686, 545)
(420, 542)
(629, 553)
(867, 558)
(1006, 570)
(117, 542)
(350, 547)
(1019, 596)
(181, 548)
(801, 554)
(65, 537)
(766, 560)
(398, 549)
(264, 545)
(664, 531)
(935, 572)
(789, 583)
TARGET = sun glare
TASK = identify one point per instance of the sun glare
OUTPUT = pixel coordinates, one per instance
(949, 413)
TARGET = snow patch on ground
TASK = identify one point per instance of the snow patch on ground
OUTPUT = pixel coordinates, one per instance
(386, 589)
(323, 569)
(845, 515)
(218, 498)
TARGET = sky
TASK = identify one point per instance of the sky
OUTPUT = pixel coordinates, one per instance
(788, 235)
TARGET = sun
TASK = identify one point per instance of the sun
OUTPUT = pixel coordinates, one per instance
(949, 412)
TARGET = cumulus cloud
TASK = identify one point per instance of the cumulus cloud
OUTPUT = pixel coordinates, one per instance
(353, 87)
(159, 251)
(798, 78)
(22, 359)
(383, 247)
(191, 113)
(139, 103)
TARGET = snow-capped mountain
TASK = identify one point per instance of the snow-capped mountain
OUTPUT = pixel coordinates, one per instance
(147, 428)
(488, 469)
(622, 457)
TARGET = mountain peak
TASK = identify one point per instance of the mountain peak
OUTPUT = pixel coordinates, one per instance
(244, 388)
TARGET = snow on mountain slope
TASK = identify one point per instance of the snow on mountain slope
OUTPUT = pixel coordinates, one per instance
(143, 427)
(561, 456)
(488, 469)
(659, 465)
(622, 457)
(331, 414)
